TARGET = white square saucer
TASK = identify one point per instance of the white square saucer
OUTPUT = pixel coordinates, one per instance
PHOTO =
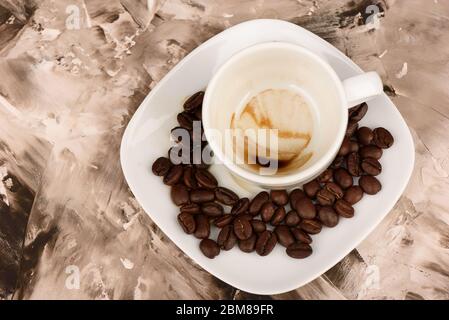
(147, 138)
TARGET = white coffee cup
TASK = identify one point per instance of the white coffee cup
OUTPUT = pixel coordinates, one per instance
(277, 65)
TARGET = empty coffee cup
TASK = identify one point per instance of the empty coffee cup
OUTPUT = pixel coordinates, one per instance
(276, 113)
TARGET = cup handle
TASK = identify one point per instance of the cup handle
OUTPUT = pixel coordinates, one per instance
(362, 88)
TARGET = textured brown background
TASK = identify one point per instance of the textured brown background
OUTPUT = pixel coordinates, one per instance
(66, 96)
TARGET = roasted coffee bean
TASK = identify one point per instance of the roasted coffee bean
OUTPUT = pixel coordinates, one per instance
(267, 211)
(161, 166)
(198, 113)
(202, 230)
(310, 226)
(245, 216)
(284, 235)
(301, 236)
(334, 189)
(258, 226)
(248, 245)
(226, 238)
(187, 222)
(358, 112)
(382, 138)
(345, 147)
(343, 178)
(205, 147)
(295, 195)
(202, 195)
(325, 197)
(279, 197)
(257, 203)
(226, 196)
(370, 185)
(209, 248)
(173, 175)
(278, 217)
(299, 250)
(205, 179)
(179, 194)
(224, 220)
(292, 219)
(344, 209)
(311, 188)
(191, 208)
(185, 120)
(353, 195)
(205, 144)
(241, 206)
(353, 164)
(194, 102)
(328, 217)
(212, 209)
(354, 147)
(365, 136)
(189, 178)
(325, 176)
(371, 152)
(242, 228)
(371, 166)
(352, 128)
(305, 208)
(338, 162)
(265, 243)
(203, 166)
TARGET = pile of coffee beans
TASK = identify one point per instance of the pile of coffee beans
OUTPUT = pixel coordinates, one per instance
(278, 216)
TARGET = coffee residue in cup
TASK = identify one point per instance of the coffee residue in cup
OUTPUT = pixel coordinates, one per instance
(282, 110)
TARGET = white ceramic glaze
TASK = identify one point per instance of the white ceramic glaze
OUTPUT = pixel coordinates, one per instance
(279, 65)
(147, 138)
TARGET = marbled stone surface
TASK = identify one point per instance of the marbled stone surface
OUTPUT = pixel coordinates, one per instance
(72, 73)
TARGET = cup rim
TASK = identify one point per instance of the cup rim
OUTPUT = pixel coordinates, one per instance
(288, 179)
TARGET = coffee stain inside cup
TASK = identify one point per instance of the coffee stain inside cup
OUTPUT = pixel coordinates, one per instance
(283, 113)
